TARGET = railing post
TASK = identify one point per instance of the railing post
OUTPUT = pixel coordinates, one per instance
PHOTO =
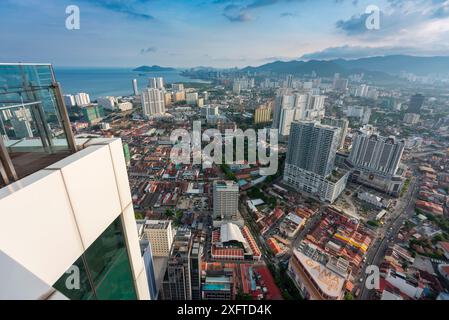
(64, 117)
(6, 167)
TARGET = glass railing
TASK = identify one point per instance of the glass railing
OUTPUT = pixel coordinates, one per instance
(34, 126)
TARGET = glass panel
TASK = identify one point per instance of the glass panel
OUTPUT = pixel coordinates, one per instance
(84, 292)
(109, 266)
(28, 109)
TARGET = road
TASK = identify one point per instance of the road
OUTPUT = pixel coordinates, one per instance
(376, 254)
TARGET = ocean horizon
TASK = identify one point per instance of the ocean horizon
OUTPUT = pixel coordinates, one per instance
(114, 81)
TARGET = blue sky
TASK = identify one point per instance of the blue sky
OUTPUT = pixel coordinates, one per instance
(219, 33)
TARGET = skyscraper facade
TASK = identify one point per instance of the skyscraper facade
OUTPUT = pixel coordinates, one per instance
(135, 87)
(156, 83)
(182, 279)
(342, 124)
(416, 103)
(376, 154)
(153, 102)
(310, 160)
(225, 197)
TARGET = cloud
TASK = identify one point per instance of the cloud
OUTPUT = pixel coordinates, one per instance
(235, 13)
(240, 10)
(132, 8)
(398, 16)
(354, 52)
(148, 50)
(287, 14)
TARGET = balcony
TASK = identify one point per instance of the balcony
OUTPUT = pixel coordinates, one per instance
(35, 130)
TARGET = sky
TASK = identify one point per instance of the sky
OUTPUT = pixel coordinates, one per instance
(217, 33)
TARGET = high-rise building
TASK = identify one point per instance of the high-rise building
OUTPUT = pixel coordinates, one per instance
(376, 154)
(82, 99)
(81, 240)
(282, 101)
(160, 234)
(69, 101)
(177, 87)
(168, 98)
(192, 98)
(289, 81)
(195, 269)
(22, 128)
(310, 160)
(362, 91)
(342, 124)
(156, 83)
(298, 107)
(135, 87)
(263, 114)
(341, 84)
(416, 103)
(93, 114)
(226, 199)
(376, 162)
(237, 87)
(286, 118)
(179, 96)
(108, 103)
(411, 118)
(182, 279)
(153, 102)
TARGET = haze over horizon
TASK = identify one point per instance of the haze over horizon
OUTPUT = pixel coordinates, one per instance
(218, 33)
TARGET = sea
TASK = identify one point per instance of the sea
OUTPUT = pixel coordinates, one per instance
(99, 82)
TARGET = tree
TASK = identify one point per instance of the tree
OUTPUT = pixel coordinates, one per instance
(169, 213)
(349, 296)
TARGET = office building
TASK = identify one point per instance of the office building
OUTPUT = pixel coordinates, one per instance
(156, 83)
(182, 279)
(81, 240)
(153, 102)
(135, 87)
(160, 234)
(108, 103)
(342, 124)
(310, 162)
(82, 99)
(226, 199)
(416, 103)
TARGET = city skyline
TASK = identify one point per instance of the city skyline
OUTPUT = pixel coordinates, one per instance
(219, 33)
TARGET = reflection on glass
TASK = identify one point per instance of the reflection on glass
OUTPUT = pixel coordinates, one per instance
(105, 271)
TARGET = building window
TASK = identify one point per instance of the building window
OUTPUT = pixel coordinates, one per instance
(105, 271)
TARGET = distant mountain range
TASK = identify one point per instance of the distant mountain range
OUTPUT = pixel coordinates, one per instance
(153, 69)
(374, 66)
